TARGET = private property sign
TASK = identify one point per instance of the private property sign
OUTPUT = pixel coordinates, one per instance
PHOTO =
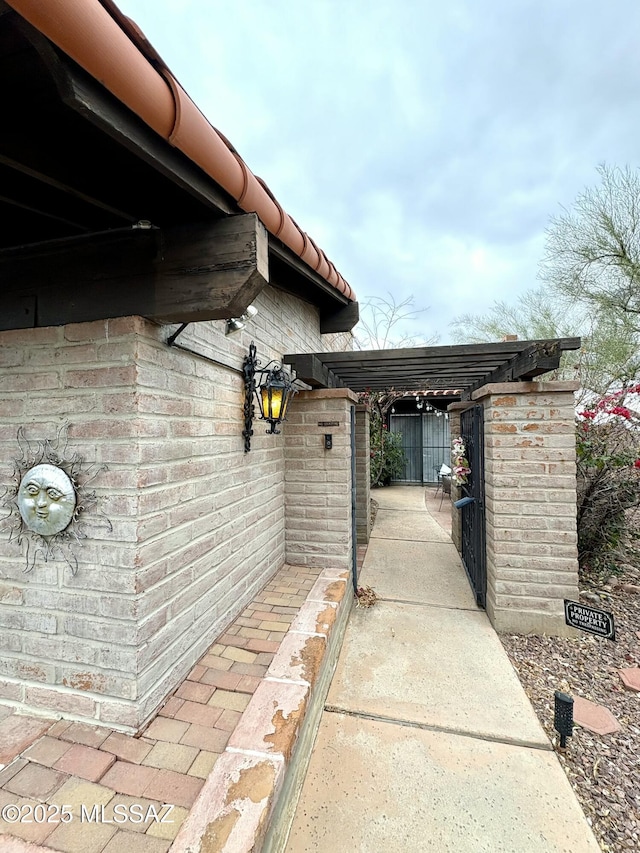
(589, 619)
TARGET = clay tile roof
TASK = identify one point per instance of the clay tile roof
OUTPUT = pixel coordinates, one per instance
(112, 48)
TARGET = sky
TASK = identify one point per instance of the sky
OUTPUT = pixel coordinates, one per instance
(423, 145)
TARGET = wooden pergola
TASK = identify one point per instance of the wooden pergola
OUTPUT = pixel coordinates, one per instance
(463, 368)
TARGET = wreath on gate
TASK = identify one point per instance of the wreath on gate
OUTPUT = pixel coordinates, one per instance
(460, 463)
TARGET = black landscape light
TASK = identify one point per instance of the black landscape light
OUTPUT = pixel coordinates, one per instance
(563, 717)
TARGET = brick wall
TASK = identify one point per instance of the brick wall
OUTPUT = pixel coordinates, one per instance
(197, 524)
(530, 485)
(318, 481)
(363, 465)
(67, 641)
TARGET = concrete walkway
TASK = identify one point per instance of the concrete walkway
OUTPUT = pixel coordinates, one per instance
(427, 741)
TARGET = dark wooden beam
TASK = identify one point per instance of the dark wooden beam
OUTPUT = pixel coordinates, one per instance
(310, 369)
(467, 352)
(206, 271)
(465, 367)
(534, 361)
(341, 319)
(283, 253)
(211, 271)
(14, 164)
(88, 98)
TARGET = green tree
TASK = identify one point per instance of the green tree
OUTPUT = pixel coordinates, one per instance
(593, 250)
(591, 275)
(609, 353)
(591, 267)
(535, 315)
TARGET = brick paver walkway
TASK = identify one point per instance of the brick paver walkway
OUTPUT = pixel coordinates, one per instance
(101, 774)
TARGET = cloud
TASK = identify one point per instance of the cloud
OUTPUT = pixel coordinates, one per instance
(423, 145)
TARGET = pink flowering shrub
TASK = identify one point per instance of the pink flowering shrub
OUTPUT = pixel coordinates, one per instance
(608, 460)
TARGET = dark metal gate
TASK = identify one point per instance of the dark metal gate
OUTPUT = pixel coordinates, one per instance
(474, 554)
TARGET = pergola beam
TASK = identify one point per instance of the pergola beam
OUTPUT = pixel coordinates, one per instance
(310, 370)
(534, 361)
(439, 353)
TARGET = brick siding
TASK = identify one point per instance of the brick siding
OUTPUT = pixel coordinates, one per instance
(198, 526)
(318, 481)
(363, 465)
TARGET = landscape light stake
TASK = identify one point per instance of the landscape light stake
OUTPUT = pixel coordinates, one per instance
(563, 717)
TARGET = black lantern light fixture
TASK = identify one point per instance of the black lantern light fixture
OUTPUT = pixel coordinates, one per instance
(272, 387)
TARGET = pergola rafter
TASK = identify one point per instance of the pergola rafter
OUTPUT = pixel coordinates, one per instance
(465, 367)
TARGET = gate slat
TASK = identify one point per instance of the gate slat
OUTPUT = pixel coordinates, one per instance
(474, 557)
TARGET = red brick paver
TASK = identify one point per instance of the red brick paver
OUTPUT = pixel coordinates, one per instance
(82, 733)
(128, 778)
(596, 718)
(17, 733)
(128, 748)
(631, 678)
(76, 763)
(47, 751)
(192, 691)
(176, 788)
(35, 781)
(85, 762)
(194, 712)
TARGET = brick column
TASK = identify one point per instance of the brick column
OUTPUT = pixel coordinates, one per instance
(363, 464)
(318, 523)
(530, 482)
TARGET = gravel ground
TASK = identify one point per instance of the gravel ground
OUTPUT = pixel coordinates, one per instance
(603, 770)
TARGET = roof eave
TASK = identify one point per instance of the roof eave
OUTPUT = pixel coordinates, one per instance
(111, 48)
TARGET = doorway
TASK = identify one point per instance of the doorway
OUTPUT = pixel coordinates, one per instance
(426, 443)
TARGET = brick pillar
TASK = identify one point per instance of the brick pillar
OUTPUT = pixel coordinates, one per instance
(318, 522)
(530, 482)
(363, 464)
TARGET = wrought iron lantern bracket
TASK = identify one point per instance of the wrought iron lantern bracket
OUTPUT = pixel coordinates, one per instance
(272, 391)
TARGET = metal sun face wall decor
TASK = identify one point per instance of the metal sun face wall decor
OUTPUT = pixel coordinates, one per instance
(48, 500)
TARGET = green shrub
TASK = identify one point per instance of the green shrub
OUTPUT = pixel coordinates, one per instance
(387, 456)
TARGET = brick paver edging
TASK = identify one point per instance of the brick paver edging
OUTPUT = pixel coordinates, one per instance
(248, 707)
(233, 808)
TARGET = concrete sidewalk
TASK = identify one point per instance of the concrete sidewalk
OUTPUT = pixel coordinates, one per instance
(428, 741)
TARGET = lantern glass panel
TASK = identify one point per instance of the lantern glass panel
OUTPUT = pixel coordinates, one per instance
(271, 401)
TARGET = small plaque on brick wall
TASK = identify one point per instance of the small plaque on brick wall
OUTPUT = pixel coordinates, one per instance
(328, 423)
(589, 619)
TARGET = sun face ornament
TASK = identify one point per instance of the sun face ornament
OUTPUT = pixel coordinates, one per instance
(48, 500)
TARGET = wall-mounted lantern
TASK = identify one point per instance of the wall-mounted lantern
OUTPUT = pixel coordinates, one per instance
(272, 387)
